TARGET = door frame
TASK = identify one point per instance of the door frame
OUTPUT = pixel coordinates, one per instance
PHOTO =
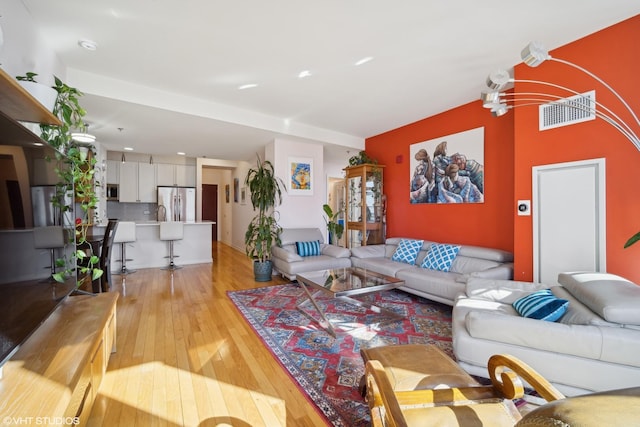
(598, 166)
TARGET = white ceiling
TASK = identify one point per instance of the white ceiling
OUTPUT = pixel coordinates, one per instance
(167, 71)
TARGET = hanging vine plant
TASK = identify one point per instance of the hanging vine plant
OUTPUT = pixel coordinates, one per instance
(76, 170)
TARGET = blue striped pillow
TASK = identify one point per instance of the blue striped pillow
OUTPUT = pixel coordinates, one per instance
(308, 248)
(541, 305)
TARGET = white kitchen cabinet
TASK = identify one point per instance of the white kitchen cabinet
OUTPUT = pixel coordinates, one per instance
(165, 174)
(176, 175)
(113, 172)
(137, 183)
(185, 176)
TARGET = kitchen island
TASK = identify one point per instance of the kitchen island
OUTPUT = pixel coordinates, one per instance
(148, 251)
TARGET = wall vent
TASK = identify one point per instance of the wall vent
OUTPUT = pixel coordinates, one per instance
(568, 111)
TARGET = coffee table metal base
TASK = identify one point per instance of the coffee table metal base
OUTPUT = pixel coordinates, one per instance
(325, 323)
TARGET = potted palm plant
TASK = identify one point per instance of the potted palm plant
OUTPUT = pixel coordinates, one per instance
(334, 227)
(263, 231)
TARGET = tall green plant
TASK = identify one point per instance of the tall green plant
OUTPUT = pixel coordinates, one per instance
(263, 231)
(333, 226)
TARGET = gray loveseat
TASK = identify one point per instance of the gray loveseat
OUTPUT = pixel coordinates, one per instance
(471, 261)
(594, 346)
(287, 262)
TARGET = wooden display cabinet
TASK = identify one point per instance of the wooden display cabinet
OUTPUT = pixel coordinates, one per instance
(364, 205)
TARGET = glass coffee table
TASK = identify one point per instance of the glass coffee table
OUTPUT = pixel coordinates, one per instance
(343, 283)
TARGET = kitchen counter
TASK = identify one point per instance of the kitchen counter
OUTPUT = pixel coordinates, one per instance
(148, 251)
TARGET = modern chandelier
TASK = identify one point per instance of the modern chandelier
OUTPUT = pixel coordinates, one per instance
(533, 55)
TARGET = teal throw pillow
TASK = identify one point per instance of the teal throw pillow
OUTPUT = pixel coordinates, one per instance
(541, 305)
(311, 248)
(440, 256)
(407, 251)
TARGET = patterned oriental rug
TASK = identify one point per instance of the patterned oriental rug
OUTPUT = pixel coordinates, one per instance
(326, 369)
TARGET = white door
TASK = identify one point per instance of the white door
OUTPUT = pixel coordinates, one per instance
(568, 219)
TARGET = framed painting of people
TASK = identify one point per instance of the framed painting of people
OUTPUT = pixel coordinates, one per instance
(449, 169)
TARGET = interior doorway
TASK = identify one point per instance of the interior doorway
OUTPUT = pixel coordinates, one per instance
(210, 207)
(568, 219)
(336, 199)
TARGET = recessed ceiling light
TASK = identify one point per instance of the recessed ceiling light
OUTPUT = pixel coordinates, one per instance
(88, 44)
(247, 86)
(128, 149)
(303, 74)
(364, 60)
(180, 153)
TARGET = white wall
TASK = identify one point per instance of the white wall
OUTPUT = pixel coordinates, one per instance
(242, 214)
(24, 49)
(301, 210)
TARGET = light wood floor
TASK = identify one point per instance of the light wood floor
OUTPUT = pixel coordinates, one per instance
(185, 356)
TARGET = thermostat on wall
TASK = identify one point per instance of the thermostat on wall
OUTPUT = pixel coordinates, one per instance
(524, 207)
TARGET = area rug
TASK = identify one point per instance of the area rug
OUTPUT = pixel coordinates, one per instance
(327, 369)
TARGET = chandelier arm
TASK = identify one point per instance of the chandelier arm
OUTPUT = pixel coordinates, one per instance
(630, 135)
(608, 110)
(598, 79)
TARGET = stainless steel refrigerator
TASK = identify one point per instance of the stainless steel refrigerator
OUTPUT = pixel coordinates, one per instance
(177, 204)
(45, 212)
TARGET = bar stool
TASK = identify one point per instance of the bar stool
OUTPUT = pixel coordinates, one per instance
(171, 231)
(51, 238)
(126, 233)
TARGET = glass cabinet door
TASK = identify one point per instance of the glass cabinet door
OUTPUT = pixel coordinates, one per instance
(364, 205)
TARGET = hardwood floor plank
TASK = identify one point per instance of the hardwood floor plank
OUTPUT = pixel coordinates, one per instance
(186, 357)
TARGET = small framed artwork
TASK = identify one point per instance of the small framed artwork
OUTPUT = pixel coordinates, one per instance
(236, 189)
(300, 176)
(243, 196)
(226, 193)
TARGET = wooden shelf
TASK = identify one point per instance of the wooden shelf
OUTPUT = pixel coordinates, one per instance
(57, 371)
(18, 104)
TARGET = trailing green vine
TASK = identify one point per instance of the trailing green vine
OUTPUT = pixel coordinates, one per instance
(76, 170)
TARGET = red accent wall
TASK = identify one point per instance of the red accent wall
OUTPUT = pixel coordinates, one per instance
(612, 55)
(487, 224)
(513, 145)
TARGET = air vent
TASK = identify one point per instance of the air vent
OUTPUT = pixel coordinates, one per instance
(568, 111)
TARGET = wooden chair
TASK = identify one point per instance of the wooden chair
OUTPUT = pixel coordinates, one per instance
(464, 406)
(105, 256)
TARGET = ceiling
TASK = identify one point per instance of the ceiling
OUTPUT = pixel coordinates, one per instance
(165, 74)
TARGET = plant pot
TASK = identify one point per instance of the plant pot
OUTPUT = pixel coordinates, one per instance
(44, 94)
(262, 270)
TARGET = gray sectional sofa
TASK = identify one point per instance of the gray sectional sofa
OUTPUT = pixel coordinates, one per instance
(288, 263)
(594, 346)
(471, 261)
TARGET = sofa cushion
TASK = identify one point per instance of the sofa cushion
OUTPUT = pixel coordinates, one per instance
(440, 256)
(311, 248)
(541, 305)
(578, 313)
(335, 251)
(285, 254)
(504, 291)
(578, 340)
(614, 298)
(466, 265)
(380, 265)
(407, 251)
